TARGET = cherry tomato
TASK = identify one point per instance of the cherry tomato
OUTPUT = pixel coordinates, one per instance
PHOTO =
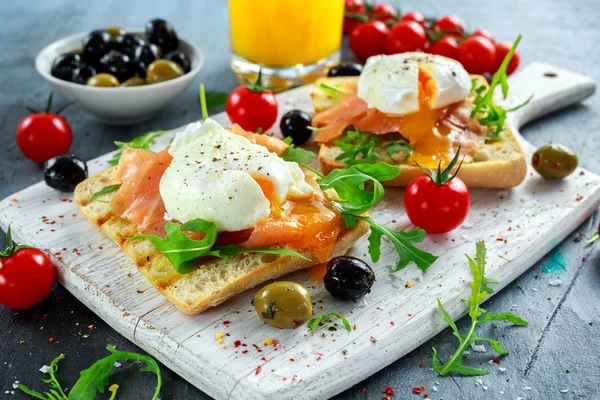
(477, 54)
(367, 39)
(436, 208)
(41, 136)
(413, 16)
(451, 25)
(384, 12)
(26, 276)
(484, 33)
(502, 50)
(446, 46)
(355, 7)
(405, 36)
(252, 107)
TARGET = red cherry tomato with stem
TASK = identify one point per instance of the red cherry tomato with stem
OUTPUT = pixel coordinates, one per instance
(477, 54)
(502, 50)
(252, 106)
(354, 15)
(367, 39)
(437, 203)
(450, 25)
(26, 275)
(484, 33)
(413, 16)
(383, 12)
(41, 136)
(446, 46)
(405, 36)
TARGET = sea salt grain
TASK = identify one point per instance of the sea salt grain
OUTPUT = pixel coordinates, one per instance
(15, 384)
(478, 348)
(564, 390)
(117, 364)
(526, 388)
(556, 282)
(45, 369)
(501, 369)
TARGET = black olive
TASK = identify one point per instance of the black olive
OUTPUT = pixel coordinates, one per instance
(162, 34)
(146, 54)
(65, 172)
(348, 278)
(295, 124)
(345, 69)
(95, 45)
(116, 64)
(64, 65)
(82, 74)
(127, 43)
(180, 58)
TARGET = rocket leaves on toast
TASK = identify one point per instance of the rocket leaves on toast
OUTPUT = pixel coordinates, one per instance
(479, 291)
(103, 191)
(140, 142)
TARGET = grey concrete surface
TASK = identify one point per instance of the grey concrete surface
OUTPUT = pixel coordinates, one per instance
(556, 357)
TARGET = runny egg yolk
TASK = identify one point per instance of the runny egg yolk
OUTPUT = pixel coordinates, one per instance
(421, 128)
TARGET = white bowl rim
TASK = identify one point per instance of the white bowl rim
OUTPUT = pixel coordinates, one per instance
(46, 75)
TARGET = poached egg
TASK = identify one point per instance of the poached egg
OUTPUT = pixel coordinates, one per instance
(224, 178)
(391, 83)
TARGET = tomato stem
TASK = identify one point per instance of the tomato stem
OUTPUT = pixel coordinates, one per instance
(10, 246)
(441, 177)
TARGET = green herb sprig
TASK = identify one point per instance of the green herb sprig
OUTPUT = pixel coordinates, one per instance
(103, 191)
(183, 252)
(479, 291)
(330, 90)
(94, 379)
(314, 323)
(359, 148)
(142, 142)
(490, 114)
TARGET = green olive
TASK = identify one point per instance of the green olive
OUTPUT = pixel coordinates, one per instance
(283, 304)
(115, 31)
(554, 161)
(135, 81)
(163, 70)
(77, 50)
(102, 80)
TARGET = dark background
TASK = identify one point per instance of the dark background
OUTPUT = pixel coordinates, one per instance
(556, 352)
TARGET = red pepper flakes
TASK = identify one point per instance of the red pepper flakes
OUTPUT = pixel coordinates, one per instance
(319, 354)
(284, 379)
(354, 327)
(237, 312)
(421, 365)
(387, 398)
(496, 360)
(389, 390)
(264, 359)
(410, 315)
(237, 343)
(61, 216)
(15, 200)
(257, 348)
(226, 322)
(258, 370)
(392, 323)
(423, 387)
(307, 365)
(50, 340)
(277, 345)
(364, 390)
(578, 198)
(244, 351)
(417, 390)
(499, 240)
(52, 230)
(509, 229)
(425, 395)
(292, 360)
(73, 215)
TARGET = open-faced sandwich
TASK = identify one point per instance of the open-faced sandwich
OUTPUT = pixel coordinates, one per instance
(414, 108)
(216, 213)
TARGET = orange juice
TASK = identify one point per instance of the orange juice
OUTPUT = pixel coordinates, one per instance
(285, 33)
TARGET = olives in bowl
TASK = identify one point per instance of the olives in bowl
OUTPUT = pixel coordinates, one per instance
(283, 305)
(125, 55)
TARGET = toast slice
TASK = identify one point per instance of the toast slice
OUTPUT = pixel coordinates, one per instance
(208, 285)
(497, 164)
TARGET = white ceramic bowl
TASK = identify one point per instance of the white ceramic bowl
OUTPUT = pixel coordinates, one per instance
(123, 105)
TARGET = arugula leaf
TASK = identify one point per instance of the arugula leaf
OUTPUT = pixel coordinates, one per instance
(95, 378)
(402, 241)
(350, 185)
(297, 154)
(479, 290)
(490, 114)
(183, 252)
(140, 142)
(330, 90)
(359, 148)
(104, 190)
(314, 323)
(233, 250)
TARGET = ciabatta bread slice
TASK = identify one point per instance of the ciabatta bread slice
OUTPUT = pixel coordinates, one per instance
(500, 163)
(208, 285)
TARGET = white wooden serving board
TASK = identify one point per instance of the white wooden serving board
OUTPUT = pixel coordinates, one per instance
(519, 226)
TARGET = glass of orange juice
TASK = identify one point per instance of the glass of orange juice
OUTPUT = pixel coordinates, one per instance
(292, 41)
